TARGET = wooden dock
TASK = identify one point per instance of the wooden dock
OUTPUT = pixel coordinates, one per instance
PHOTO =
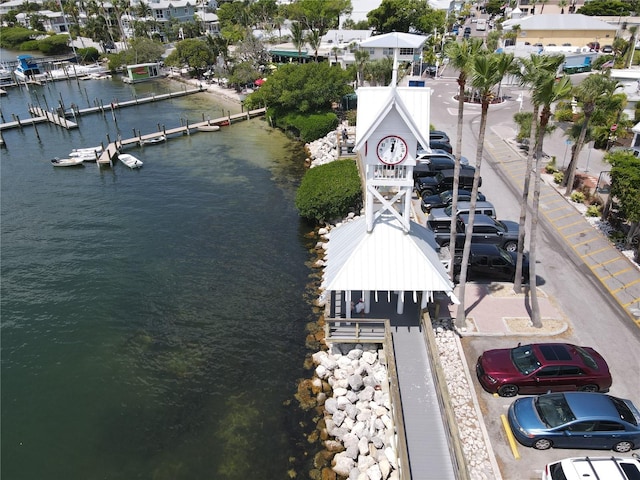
(113, 148)
(40, 115)
(52, 117)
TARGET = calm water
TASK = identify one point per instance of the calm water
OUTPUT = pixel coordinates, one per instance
(153, 319)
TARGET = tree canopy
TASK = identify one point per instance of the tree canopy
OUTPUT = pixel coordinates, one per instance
(606, 7)
(303, 88)
(192, 52)
(406, 16)
(625, 183)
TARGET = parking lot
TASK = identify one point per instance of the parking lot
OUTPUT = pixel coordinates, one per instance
(592, 318)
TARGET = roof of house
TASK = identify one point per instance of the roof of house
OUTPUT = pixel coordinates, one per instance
(395, 39)
(553, 21)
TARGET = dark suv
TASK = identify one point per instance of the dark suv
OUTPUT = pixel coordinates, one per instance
(490, 262)
(443, 180)
(503, 233)
(430, 164)
(443, 199)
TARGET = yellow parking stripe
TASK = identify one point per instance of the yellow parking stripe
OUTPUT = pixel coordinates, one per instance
(571, 225)
(582, 243)
(637, 300)
(563, 216)
(510, 437)
(603, 249)
(637, 280)
(602, 264)
(578, 233)
(547, 212)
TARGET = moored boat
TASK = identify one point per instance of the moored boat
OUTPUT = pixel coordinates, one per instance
(208, 128)
(130, 161)
(67, 162)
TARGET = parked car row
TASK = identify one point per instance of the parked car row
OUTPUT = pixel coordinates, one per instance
(573, 410)
(494, 242)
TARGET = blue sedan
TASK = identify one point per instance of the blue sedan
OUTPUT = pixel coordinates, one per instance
(576, 420)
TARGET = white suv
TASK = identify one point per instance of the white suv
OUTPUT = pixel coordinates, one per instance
(594, 468)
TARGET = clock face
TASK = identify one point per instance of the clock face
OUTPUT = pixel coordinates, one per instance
(392, 150)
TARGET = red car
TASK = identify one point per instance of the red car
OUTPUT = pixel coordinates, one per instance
(542, 367)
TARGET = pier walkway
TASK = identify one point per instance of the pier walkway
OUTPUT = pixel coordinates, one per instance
(40, 115)
(427, 447)
(113, 148)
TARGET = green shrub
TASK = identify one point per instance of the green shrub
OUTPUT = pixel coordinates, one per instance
(551, 166)
(593, 211)
(89, 54)
(329, 191)
(13, 37)
(54, 45)
(351, 116)
(29, 45)
(307, 127)
(558, 177)
(577, 197)
(564, 115)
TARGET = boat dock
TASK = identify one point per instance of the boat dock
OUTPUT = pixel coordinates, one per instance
(113, 148)
(40, 115)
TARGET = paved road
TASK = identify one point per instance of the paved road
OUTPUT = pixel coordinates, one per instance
(596, 319)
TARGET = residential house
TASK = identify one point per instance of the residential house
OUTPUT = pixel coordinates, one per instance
(558, 29)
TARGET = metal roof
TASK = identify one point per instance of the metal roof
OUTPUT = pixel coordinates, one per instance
(559, 21)
(395, 40)
(385, 259)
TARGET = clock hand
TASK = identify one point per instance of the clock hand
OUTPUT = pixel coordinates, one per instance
(393, 145)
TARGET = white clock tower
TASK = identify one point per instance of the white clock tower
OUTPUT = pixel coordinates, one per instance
(387, 139)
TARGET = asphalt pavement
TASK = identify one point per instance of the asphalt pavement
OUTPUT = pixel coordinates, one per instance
(617, 275)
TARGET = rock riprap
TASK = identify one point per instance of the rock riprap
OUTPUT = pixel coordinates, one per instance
(358, 413)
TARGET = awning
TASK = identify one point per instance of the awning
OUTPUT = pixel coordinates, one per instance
(289, 53)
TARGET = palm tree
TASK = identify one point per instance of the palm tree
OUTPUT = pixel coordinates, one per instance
(361, 57)
(297, 37)
(546, 92)
(543, 3)
(314, 39)
(484, 77)
(535, 71)
(461, 56)
(588, 92)
(632, 44)
(562, 4)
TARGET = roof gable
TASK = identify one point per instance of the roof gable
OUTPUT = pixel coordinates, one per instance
(376, 103)
(385, 259)
(395, 40)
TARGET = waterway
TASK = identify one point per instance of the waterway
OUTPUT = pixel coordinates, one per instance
(152, 320)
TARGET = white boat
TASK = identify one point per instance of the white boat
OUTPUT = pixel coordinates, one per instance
(66, 162)
(150, 141)
(208, 128)
(129, 160)
(89, 153)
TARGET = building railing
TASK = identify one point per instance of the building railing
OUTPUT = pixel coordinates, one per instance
(351, 330)
(455, 447)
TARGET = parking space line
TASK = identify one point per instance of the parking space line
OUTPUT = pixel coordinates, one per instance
(576, 233)
(637, 300)
(547, 212)
(563, 216)
(582, 243)
(607, 262)
(637, 280)
(572, 224)
(603, 249)
(510, 437)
